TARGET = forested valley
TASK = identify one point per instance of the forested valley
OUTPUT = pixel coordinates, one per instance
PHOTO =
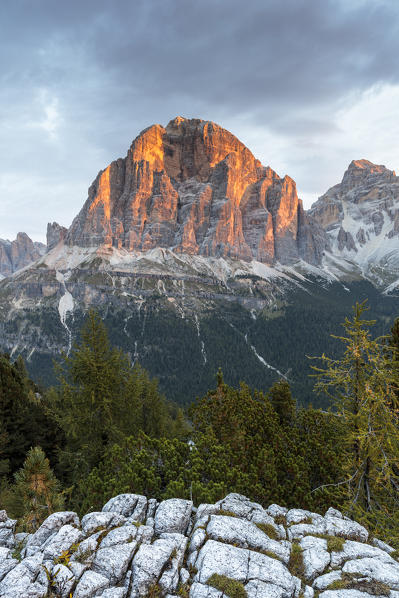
(106, 429)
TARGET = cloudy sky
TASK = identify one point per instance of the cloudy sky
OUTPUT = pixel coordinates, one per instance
(307, 85)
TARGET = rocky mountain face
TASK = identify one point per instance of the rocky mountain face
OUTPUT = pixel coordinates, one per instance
(136, 548)
(55, 234)
(361, 218)
(195, 188)
(19, 253)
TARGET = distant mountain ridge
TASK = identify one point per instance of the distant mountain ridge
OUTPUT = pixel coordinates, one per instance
(19, 253)
(361, 218)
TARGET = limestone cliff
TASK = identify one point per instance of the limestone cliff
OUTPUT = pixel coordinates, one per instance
(55, 234)
(19, 253)
(195, 188)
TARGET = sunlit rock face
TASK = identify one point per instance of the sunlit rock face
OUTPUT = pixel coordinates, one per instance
(19, 253)
(361, 216)
(195, 188)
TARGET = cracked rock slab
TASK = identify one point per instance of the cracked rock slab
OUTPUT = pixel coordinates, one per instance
(246, 534)
(133, 506)
(113, 561)
(242, 565)
(375, 569)
(173, 516)
(148, 565)
(315, 555)
(90, 584)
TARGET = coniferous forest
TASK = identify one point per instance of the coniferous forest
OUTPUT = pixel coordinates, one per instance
(105, 429)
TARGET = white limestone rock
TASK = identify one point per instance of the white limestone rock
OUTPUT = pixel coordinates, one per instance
(173, 516)
(90, 584)
(296, 532)
(120, 535)
(241, 564)
(114, 593)
(7, 536)
(114, 561)
(148, 564)
(7, 562)
(294, 516)
(344, 594)
(50, 527)
(240, 505)
(261, 516)
(199, 590)
(64, 580)
(331, 512)
(277, 511)
(375, 569)
(21, 580)
(382, 545)
(315, 555)
(323, 581)
(246, 534)
(184, 575)
(131, 506)
(197, 540)
(94, 521)
(169, 579)
(345, 528)
(256, 588)
(205, 510)
(216, 557)
(66, 536)
(78, 568)
(357, 550)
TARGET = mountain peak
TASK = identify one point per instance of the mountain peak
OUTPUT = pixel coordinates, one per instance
(359, 171)
(193, 187)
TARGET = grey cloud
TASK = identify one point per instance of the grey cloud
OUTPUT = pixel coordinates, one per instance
(114, 68)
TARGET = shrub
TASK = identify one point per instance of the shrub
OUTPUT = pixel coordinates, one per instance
(335, 544)
(295, 564)
(230, 587)
(269, 530)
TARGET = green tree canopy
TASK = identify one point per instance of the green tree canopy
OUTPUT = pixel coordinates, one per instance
(101, 399)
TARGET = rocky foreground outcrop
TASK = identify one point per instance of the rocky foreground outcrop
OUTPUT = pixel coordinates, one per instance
(195, 188)
(137, 547)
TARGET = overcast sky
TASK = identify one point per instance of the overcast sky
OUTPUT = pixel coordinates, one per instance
(307, 85)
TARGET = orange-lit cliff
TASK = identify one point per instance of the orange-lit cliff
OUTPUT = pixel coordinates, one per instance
(195, 188)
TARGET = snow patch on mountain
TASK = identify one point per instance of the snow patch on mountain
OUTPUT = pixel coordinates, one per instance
(66, 305)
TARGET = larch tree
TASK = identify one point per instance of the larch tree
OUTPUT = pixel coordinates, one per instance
(363, 386)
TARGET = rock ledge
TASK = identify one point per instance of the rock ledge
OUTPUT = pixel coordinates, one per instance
(136, 547)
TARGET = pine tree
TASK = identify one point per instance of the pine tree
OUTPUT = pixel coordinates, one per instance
(36, 491)
(364, 386)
